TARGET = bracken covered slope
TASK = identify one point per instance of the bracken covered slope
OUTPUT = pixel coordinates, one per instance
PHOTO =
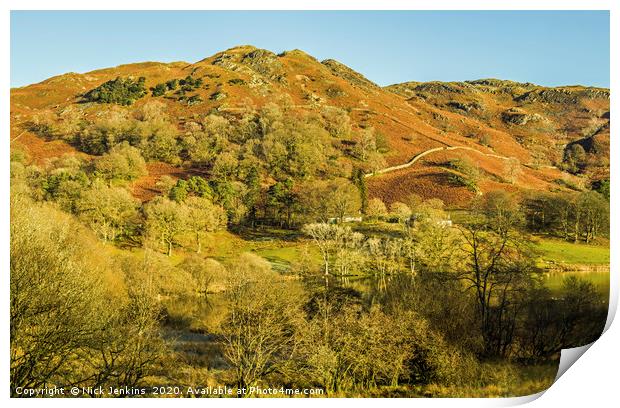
(498, 124)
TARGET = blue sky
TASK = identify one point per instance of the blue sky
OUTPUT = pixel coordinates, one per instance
(545, 47)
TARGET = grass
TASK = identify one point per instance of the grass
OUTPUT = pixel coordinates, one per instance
(501, 379)
(283, 254)
(570, 253)
(282, 248)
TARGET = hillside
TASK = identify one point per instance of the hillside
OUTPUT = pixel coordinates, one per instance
(520, 136)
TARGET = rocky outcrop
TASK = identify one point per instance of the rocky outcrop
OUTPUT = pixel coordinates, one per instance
(348, 74)
(566, 95)
(465, 107)
(500, 83)
(470, 88)
(252, 61)
(265, 63)
(440, 88)
(218, 96)
(518, 117)
(596, 93)
(334, 91)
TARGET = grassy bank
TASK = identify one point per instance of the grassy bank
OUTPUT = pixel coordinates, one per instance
(561, 251)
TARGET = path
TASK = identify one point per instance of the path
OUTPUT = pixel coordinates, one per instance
(429, 151)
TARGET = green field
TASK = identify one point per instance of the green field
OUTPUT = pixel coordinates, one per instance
(562, 251)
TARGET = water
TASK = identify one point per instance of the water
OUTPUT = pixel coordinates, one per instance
(600, 280)
(551, 280)
(202, 315)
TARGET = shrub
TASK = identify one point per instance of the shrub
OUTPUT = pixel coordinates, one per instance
(172, 84)
(485, 140)
(122, 91)
(469, 174)
(603, 187)
(216, 96)
(194, 100)
(400, 211)
(459, 180)
(236, 81)
(259, 332)
(159, 89)
(191, 82)
(210, 275)
(381, 142)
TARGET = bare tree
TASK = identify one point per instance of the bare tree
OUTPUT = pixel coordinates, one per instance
(497, 270)
(595, 214)
(329, 238)
(366, 143)
(259, 330)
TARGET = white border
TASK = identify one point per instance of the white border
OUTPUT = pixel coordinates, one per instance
(593, 379)
(311, 5)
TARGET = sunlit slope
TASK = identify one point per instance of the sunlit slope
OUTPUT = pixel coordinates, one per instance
(500, 125)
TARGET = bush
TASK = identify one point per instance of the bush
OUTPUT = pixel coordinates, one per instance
(469, 174)
(603, 187)
(363, 349)
(194, 100)
(381, 142)
(259, 332)
(459, 180)
(172, 84)
(210, 275)
(236, 81)
(376, 208)
(159, 89)
(485, 140)
(191, 82)
(216, 96)
(120, 91)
